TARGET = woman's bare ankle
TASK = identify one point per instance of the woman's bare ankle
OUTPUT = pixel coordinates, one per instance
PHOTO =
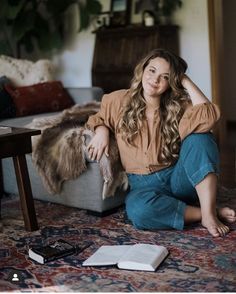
(192, 214)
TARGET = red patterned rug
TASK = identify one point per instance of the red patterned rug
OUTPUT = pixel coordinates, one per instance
(197, 262)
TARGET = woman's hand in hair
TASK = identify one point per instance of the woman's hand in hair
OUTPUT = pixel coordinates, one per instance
(195, 94)
(185, 81)
(99, 144)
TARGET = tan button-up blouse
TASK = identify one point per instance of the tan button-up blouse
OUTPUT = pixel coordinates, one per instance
(143, 157)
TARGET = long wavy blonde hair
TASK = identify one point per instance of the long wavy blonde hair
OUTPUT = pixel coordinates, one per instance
(171, 106)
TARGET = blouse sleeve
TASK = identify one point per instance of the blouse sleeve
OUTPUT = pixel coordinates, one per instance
(199, 118)
(109, 111)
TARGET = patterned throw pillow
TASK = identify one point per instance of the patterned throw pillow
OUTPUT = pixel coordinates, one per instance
(7, 108)
(40, 98)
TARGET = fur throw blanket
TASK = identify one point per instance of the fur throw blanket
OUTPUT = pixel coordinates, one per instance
(59, 153)
(23, 72)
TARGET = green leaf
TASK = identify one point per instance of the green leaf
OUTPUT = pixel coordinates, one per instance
(27, 42)
(169, 6)
(41, 25)
(13, 9)
(55, 7)
(3, 9)
(93, 6)
(4, 48)
(26, 21)
(56, 40)
(49, 41)
(23, 24)
(84, 18)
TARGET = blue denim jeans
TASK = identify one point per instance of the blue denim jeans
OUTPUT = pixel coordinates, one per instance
(158, 200)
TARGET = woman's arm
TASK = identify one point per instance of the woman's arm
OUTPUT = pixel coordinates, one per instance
(99, 143)
(195, 94)
(104, 122)
(202, 116)
(100, 123)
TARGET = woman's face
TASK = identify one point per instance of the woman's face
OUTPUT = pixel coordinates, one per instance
(155, 79)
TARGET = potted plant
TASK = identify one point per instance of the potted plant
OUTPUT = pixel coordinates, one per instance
(30, 23)
(164, 10)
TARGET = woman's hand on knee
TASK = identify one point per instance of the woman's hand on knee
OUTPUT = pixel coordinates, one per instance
(99, 144)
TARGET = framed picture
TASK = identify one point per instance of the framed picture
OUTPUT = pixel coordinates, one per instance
(136, 14)
(120, 12)
(138, 7)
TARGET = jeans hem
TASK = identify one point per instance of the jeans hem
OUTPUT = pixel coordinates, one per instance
(198, 176)
(179, 216)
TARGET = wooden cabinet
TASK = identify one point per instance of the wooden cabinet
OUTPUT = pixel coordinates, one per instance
(118, 50)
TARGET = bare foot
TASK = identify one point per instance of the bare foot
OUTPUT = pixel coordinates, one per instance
(227, 214)
(214, 226)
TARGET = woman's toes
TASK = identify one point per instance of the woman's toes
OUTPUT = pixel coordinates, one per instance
(214, 232)
(216, 228)
(223, 230)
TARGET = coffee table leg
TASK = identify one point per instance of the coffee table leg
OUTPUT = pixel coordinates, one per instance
(25, 192)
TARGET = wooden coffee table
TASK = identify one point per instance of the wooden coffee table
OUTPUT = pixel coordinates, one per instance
(16, 144)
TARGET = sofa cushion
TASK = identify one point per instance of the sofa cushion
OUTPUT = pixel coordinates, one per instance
(40, 98)
(7, 108)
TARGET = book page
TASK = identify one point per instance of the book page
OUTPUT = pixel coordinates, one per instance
(36, 256)
(107, 255)
(143, 257)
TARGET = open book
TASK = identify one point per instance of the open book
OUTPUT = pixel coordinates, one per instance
(143, 257)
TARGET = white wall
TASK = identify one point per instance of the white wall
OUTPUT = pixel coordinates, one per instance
(75, 63)
(194, 41)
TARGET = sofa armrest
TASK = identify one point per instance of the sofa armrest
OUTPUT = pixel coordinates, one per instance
(86, 94)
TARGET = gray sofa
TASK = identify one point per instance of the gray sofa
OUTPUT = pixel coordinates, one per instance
(86, 191)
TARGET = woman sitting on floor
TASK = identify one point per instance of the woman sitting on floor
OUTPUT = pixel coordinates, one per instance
(162, 126)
